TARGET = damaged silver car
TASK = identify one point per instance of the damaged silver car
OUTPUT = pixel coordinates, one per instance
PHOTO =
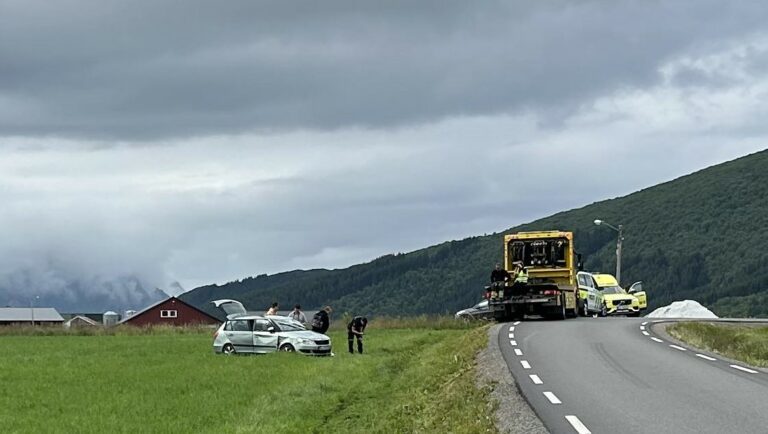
(248, 332)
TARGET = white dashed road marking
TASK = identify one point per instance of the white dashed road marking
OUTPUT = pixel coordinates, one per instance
(642, 327)
(516, 323)
(535, 378)
(518, 352)
(711, 359)
(511, 335)
(525, 364)
(577, 425)
(678, 348)
(657, 340)
(513, 343)
(741, 368)
(511, 329)
(646, 333)
(552, 398)
(645, 323)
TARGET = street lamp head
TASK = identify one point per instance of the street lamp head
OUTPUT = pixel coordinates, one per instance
(598, 222)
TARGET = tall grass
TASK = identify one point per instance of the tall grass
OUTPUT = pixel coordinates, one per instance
(122, 330)
(168, 380)
(746, 343)
(432, 322)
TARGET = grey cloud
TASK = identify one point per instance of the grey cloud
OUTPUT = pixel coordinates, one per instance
(182, 69)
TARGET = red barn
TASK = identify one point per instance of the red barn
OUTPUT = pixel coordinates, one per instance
(171, 311)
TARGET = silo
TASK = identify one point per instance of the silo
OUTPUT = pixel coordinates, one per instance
(111, 318)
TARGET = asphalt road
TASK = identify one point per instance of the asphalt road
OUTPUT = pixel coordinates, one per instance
(619, 375)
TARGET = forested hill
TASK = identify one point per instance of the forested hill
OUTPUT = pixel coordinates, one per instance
(703, 236)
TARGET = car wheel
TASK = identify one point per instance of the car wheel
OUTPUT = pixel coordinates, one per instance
(288, 348)
(603, 311)
(228, 349)
(585, 309)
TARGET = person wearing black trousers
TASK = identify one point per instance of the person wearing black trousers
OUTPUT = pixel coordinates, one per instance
(355, 330)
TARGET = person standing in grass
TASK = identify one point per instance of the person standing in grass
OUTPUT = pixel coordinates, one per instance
(321, 321)
(273, 310)
(297, 315)
(356, 330)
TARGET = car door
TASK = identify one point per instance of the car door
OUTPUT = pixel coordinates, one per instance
(583, 289)
(590, 294)
(264, 340)
(637, 290)
(595, 295)
(240, 334)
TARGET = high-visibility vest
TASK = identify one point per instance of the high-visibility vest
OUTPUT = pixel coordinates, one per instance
(522, 277)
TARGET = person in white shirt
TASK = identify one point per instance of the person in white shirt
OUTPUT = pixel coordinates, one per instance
(297, 315)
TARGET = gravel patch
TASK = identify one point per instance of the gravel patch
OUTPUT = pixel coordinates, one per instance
(513, 414)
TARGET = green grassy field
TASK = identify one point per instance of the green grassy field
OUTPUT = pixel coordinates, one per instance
(746, 343)
(417, 379)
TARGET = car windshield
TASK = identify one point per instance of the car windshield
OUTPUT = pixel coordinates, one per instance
(612, 290)
(289, 326)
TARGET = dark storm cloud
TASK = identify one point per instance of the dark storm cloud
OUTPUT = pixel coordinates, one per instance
(161, 69)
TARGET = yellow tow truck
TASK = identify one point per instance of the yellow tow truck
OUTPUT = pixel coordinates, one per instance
(552, 264)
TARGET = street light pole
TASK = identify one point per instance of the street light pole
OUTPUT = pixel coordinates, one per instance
(619, 243)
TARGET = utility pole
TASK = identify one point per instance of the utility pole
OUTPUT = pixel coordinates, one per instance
(619, 243)
(618, 254)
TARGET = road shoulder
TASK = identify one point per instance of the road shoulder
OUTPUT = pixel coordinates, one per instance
(513, 415)
(661, 330)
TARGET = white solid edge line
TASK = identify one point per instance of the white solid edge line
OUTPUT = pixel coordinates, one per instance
(513, 343)
(516, 323)
(678, 348)
(642, 327)
(518, 352)
(552, 398)
(535, 378)
(657, 339)
(642, 324)
(646, 333)
(741, 368)
(711, 359)
(525, 364)
(577, 425)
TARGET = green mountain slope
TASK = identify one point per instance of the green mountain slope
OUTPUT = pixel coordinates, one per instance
(703, 236)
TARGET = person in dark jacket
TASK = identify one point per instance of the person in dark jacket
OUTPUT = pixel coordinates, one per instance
(321, 321)
(499, 275)
(356, 330)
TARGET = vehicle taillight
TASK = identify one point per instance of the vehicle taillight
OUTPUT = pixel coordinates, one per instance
(550, 292)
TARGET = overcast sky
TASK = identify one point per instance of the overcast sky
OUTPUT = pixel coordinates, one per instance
(206, 141)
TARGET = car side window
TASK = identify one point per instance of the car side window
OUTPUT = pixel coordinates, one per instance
(582, 282)
(261, 325)
(228, 326)
(240, 326)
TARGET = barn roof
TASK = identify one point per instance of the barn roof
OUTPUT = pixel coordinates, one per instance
(148, 308)
(85, 319)
(24, 314)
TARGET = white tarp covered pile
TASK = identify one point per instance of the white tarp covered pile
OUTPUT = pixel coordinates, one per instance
(682, 309)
